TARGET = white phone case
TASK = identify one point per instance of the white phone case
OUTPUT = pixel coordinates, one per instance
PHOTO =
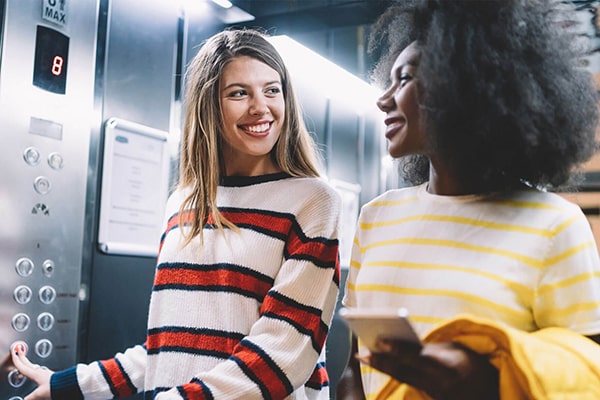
(369, 325)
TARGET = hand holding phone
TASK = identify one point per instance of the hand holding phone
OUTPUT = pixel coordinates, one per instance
(372, 325)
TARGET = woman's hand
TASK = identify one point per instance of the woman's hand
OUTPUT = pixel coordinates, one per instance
(38, 374)
(446, 370)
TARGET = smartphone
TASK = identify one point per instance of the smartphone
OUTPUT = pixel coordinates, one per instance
(372, 324)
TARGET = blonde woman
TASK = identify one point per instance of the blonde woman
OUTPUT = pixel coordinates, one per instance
(248, 272)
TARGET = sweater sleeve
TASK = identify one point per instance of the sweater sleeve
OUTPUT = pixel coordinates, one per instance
(568, 292)
(118, 377)
(281, 352)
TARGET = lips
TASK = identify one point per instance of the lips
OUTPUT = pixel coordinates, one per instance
(393, 125)
(257, 130)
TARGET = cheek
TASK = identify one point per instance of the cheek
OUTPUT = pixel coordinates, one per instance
(232, 112)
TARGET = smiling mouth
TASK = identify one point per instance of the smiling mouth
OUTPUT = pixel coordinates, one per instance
(393, 128)
(259, 129)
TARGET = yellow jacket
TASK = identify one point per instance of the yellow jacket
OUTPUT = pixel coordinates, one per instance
(551, 363)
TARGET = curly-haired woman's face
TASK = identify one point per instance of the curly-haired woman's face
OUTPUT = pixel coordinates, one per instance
(400, 102)
(253, 110)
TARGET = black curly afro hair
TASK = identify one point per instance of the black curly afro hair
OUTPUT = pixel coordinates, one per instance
(502, 93)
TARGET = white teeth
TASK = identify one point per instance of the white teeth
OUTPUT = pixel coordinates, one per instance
(258, 128)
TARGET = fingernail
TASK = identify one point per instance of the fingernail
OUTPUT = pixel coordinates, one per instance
(364, 359)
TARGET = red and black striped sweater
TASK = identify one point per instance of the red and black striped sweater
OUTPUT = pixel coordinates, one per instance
(243, 316)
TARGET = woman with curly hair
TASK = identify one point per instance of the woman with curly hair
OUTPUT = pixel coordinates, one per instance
(488, 112)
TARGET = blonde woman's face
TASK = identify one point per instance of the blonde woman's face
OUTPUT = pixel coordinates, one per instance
(253, 109)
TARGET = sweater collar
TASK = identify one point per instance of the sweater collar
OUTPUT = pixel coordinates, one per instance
(238, 181)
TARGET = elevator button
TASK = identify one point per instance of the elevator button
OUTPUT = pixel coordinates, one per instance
(47, 294)
(43, 348)
(20, 322)
(31, 155)
(22, 294)
(16, 379)
(45, 321)
(41, 185)
(55, 161)
(48, 268)
(24, 266)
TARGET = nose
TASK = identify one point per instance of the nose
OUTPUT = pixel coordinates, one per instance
(386, 101)
(258, 106)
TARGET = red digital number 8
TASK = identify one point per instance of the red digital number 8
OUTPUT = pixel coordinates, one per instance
(57, 65)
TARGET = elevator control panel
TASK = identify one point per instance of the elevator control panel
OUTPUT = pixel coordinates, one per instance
(47, 82)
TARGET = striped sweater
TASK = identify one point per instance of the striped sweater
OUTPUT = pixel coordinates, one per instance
(243, 316)
(527, 260)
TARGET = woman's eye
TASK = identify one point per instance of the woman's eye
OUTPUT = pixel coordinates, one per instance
(404, 79)
(273, 91)
(237, 93)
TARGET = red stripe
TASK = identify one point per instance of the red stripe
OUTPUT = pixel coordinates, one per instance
(319, 377)
(302, 318)
(117, 378)
(281, 225)
(180, 276)
(315, 249)
(195, 391)
(191, 340)
(269, 378)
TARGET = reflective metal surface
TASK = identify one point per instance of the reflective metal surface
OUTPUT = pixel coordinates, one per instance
(45, 145)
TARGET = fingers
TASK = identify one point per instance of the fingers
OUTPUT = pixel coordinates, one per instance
(35, 372)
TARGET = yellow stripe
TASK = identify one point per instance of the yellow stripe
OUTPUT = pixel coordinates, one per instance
(569, 253)
(530, 204)
(425, 319)
(568, 222)
(392, 203)
(575, 308)
(459, 245)
(460, 220)
(549, 287)
(516, 314)
(350, 285)
(523, 290)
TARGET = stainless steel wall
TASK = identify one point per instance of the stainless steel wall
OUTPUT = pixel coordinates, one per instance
(136, 81)
(45, 139)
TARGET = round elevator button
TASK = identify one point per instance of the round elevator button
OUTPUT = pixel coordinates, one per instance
(16, 379)
(22, 294)
(47, 294)
(20, 322)
(24, 266)
(31, 155)
(45, 321)
(41, 185)
(43, 348)
(55, 161)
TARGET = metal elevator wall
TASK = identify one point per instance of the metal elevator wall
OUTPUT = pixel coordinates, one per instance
(136, 81)
(46, 117)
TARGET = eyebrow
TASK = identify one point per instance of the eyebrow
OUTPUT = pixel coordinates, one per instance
(243, 85)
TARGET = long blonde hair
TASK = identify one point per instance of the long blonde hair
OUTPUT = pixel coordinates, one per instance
(201, 166)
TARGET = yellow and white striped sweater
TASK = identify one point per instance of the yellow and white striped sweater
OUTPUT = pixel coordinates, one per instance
(526, 259)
